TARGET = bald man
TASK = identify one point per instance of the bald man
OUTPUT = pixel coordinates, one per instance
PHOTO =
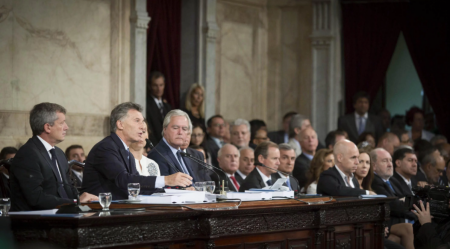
(308, 143)
(228, 158)
(389, 141)
(339, 180)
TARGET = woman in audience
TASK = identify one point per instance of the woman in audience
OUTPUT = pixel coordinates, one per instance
(323, 160)
(198, 139)
(144, 165)
(400, 233)
(195, 104)
(415, 118)
(368, 137)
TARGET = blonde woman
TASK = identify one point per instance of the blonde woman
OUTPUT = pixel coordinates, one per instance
(195, 104)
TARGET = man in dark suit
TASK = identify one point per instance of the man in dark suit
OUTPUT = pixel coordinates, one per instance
(287, 159)
(432, 167)
(340, 180)
(157, 107)
(216, 131)
(308, 144)
(39, 178)
(228, 158)
(246, 163)
(110, 166)
(360, 121)
(405, 161)
(267, 155)
(282, 136)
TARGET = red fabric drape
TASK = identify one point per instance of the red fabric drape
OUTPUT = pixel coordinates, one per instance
(164, 45)
(427, 34)
(370, 34)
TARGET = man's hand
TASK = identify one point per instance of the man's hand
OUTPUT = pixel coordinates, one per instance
(86, 197)
(190, 188)
(372, 193)
(178, 179)
(422, 213)
(422, 184)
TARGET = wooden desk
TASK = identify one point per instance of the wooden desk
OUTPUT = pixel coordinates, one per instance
(258, 224)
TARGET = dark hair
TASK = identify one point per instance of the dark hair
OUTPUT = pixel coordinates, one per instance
(400, 154)
(255, 125)
(155, 75)
(72, 147)
(426, 156)
(263, 149)
(44, 113)
(121, 111)
(411, 113)
(316, 166)
(210, 120)
(360, 95)
(6, 151)
(288, 115)
(367, 181)
(421, 146)
(362, 137)
(330, 139)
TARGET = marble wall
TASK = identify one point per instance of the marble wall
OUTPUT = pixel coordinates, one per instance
(263, 59)
(66, 52)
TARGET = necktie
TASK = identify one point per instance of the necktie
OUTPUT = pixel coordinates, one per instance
(236, 184)
(61, 189)
(289, 184)
(222, 143)
(389, 184)
(161, 108)
(361, 125)
(128, 154)
(409, 186)
(269, 182)
(183, 167)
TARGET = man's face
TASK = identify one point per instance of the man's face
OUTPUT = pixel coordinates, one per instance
(308, 141)
(57, 131)
(186, 142)
(77, 154)
(405, 140)
(158, 87)
(240, 135)
(349, 160)
(246, 161)
(261, 136)
(175, 133)
(272, 160)
(408, 166)
(361, 106)
(217, 128)
(434, 172)
(229, 159)
(132, 126)
(383, 166)
(287, 160)
(390, 145)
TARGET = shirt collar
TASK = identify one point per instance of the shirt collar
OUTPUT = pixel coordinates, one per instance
(47, 146)
(384, 180)
(282, 176)
(174, 151)
(310, 157)
(229, 174)
(404, 179)
(343, 175)
(241, 174)
(264, 177)
(217, 141)
(156, 99)
(365, 116)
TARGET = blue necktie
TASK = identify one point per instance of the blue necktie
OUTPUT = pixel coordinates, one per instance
(183, 167)
(361, 125)
(289, 184)
(389, 184)
(269, 182)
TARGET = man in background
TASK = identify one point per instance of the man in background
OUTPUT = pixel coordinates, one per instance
(246, 163)
(76, 152)
(282, 136)
(240, 133)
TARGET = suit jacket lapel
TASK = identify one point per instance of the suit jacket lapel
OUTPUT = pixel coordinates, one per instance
(355, 182)
(44, 153)
(123, 151)
(168, 153)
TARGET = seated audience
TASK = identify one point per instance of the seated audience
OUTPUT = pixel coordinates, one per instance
(333, 137)
(240, 133)
(215, 141)
(49, 185)
(109, 165)
(389, 141)
(403, 136)
(438, 139)
(157, 107)
(228, 158)
(368, 137)
(364, 172)
(144, 165)
(340, 180)
(322, 161)
(308, 143)
(287, 159)
(297, 124)
(282, 136)
(198, 140)
(415, 118)
(76, 152)
(259, 137)
(361, 120)
(267, 154)
(201, 150)
(201, 172)
(444, 149)
(195, 104)
(246, 163)
(405, 162)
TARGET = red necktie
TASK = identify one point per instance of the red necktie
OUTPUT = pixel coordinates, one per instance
(235, 182)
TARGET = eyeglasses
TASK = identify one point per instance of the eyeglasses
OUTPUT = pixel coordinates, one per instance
(219, 125)
(198, 135)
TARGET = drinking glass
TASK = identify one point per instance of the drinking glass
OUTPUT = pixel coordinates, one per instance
(5, 204)
(200, 186)
(133, 190)
(105, 200)
(210, 186)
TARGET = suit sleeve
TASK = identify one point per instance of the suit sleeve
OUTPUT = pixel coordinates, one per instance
(330, 185)
(28, 173)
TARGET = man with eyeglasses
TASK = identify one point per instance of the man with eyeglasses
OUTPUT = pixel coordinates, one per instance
(260, 136)
(216, 131)
(246, 163)
(432, 165)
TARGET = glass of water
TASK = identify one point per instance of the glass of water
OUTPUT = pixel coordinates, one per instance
(5, 204)
(105, 200)
(210, 186)
(133, 190)
(200, 186)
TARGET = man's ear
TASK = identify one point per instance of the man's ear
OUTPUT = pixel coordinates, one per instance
(119, 125)
(397, 162)
(297, 130)
(47, 128)
(260, 158)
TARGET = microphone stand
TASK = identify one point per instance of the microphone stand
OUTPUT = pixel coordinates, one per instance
(279, 171)
(210, 167)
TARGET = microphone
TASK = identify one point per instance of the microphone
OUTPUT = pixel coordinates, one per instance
(75, 162)
(149, 143)
(279, 171)
(205, 165)
(6, 163)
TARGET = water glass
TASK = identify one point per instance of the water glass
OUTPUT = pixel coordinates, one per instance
(105, 200)
(200, 186)
(210, 186)
(133, 190)
(5, 204)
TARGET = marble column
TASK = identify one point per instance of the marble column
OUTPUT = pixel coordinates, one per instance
(138, 52)
(326, 79)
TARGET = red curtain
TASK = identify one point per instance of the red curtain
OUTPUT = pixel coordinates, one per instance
(164, 45)
(370, 34)
(427, 34)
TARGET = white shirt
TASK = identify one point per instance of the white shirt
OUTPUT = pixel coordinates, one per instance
(350, 182)
(158, 102)
(146, 163)
(78, 174)
(426, 135)
(241, 174)
(357, 119)
(264, 177)
(218, 142)
(48, 147)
